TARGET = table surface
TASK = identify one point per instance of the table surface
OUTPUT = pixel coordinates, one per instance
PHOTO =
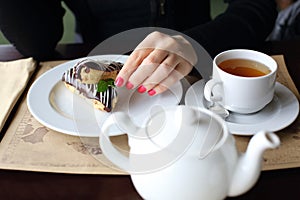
(276, 184)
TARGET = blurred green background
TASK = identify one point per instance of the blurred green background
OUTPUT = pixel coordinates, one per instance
(217, 6)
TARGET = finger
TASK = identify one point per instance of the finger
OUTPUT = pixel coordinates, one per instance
(162, 71)
(148, 66)
(181, 70)
(175, 44)
(131, 64)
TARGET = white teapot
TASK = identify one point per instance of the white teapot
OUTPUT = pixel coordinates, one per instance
(185, 153)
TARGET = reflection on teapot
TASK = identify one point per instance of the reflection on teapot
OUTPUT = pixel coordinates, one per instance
(186, 153)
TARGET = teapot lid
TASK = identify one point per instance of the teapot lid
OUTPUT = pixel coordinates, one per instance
(181, 128)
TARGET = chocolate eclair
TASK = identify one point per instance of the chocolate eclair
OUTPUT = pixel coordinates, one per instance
(94, 81)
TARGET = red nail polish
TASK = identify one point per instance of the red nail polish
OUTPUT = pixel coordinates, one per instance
(129, 86)
(119, 81)
(142, 89)
(151, 92)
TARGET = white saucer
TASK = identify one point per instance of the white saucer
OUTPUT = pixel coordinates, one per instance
(280, 113)
(57, 108)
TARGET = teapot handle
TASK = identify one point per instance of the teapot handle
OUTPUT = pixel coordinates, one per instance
(122, 122)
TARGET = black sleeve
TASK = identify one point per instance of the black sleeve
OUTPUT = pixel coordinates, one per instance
(244, 24)
(34, 27)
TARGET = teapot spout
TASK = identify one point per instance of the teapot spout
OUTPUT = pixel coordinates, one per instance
(248, 167)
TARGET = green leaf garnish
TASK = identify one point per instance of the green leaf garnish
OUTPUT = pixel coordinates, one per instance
(110, 82)
(104, 84)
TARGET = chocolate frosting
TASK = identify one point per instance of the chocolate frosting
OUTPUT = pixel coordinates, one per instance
(72, 77)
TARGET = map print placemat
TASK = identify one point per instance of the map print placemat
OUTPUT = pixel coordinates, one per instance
(28, 145)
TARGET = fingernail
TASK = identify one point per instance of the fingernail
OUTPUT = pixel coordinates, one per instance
(129, 86)
(142, 89)
(151, 92)
(119, 81)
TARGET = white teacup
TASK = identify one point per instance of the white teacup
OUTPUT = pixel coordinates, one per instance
(243, 81)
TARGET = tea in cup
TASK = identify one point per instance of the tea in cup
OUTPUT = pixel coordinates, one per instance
(243, 80)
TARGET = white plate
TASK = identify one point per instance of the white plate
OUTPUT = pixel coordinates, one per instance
(57, 108)
(278, 114)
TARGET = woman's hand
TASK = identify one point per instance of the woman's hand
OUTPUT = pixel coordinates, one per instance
(158, 62)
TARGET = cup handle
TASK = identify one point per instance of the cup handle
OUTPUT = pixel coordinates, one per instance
(122, 122)
(208, 94)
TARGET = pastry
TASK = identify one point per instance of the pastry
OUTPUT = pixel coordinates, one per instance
(94, 80)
